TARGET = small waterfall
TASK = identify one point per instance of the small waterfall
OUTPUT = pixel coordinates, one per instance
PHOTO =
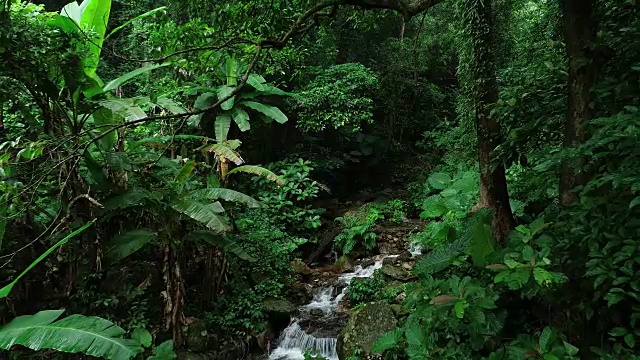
(295, 341)
(415, 250)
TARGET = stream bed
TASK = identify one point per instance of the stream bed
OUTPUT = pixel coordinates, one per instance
(314, 328)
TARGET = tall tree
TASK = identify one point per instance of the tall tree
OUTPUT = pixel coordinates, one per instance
(579, 34)
(476, 16)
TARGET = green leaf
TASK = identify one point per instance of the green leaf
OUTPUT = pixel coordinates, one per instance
(528, 253)
(204, 101)
(95, 17)
(223, 92)
(241, 118)
(268, 110)
(439, 181)
(222, 126)
(432, 208)
(163, 351)
(121, 80)
(635, 202)
(185, 171)
(257, 81)
(222, 242)
(206, 213)
(545, 339)
(224, 194)
(387, 341)
(542, 276)
(89, 335)
(222, 150)
(125, 108)
(142, 336)
(460, 307)
(170, 105)
(128, 243)
(4, 292)
(260, 171)
(550, 357)
(619, 331)
(630, 340)
(570, 349)
(231, 71)
(105, 121)
(139, 17)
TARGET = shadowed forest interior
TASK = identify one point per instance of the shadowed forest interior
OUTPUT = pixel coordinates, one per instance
(320, 179)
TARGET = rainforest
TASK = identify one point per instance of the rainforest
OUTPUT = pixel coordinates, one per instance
(320, 179)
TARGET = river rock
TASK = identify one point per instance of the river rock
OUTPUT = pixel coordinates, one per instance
(300, 268)
(396, 272)
(364, 327)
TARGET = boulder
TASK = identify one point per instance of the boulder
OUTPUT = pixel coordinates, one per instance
(300, 268)
(396, 272)
(196, 335)
(399, 310)
(279, 312)
(364, 327)
(343, 265)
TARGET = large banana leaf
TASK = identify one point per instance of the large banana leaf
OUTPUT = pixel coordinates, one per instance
(89, 335)
(119, 81)
(222, 126)
(241, 118)
(4, 292)
(139, 17)
(223, 242)
(268, 110)
(208, 214)
(223, 194)
(129, 242)
(260, 171)
(223, 92)
(222, 150)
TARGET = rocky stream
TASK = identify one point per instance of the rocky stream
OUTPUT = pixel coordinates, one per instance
(325, 325)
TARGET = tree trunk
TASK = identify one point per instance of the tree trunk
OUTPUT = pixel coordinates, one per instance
(582, 74)
(493, 183)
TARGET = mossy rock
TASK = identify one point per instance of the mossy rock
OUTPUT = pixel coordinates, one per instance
(364, 327)
(396, 272)
(196, 336)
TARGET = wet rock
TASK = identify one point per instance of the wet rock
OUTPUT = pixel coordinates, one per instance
(407, 266)
(300, 268)
(396, 272)
(405, 256)
(279, 312)
(364, 327)
(196, 335)
(343, 265)
(301, 292)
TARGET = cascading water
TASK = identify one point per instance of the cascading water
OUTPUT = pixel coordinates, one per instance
(295, 341)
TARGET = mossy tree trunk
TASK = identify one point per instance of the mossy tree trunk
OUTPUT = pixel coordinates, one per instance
(579, 34)
(493, 182)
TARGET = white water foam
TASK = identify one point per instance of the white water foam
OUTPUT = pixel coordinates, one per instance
(294, 341)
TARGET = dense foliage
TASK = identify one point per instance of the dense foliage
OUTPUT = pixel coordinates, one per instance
(168, 166)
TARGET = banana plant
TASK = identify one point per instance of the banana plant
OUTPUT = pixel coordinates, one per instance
(237, 108)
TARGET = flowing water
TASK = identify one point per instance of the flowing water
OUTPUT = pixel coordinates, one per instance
(321, 312)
